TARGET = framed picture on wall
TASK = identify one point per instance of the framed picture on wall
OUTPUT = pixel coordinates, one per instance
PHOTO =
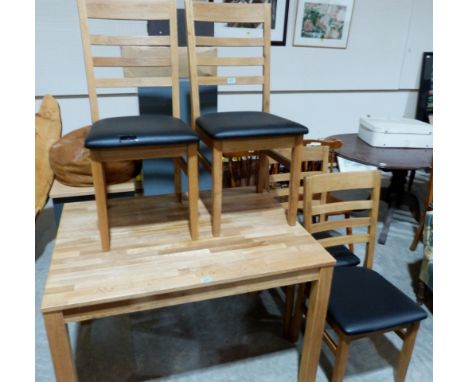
(279, 22)
(323, 23)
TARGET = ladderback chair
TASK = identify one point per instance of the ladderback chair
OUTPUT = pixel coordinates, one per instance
(362, 303)
(312, 161)
(135, 137)
(226, 132)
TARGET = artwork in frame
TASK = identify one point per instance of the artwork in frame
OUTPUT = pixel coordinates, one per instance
(279, 22)
(323, 23)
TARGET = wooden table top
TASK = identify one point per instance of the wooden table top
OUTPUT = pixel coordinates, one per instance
(152, 253)
(384, 158)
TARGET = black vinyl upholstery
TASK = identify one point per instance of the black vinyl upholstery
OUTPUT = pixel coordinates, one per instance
(362, 301)
(141, 130)
(343, 256)
(245, 124)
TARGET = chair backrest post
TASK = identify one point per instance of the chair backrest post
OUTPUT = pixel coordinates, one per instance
(125, 10)
(266, 58)
(324, 183)
(310, 155)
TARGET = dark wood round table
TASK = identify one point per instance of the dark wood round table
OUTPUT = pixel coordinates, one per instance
(397, 160)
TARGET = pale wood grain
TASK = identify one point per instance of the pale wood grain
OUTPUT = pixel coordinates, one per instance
(59, 343)
(125, 10)
(130, 40)
(228, 41)
(153, 254)
(236, 13)
(60, 190)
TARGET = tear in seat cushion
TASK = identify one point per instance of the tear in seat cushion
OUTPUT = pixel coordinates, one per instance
(362, 301)
(140, 130)
(70, 162)
(245, 124)
(344, 257)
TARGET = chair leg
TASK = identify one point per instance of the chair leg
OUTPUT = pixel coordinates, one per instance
(421, 291)
(192, 169)
(294, 181)
(349, 232)
(288, 310)
(99, 180)
(406, 352)
(341, 359)
(216, 190)
(177, 182)
(296, 320)
(262, 172)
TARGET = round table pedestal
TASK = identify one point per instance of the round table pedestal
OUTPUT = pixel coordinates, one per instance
(396, 196)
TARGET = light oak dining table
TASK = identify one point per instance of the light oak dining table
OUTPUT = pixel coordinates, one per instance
(153, 263)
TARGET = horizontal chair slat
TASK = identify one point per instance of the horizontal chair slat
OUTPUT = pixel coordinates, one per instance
(128, 10)
(341, 207)
(347, 181)
(131, 61)
(224, 13)
(285, 191)
(337, 224)
(300, 205)
(282, 177)
(133, 82)
(229, 61)
(240, 80)
(343, 240)
(130, 40)
(228, 41)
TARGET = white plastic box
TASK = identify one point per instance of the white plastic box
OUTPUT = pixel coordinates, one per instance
(401, 132)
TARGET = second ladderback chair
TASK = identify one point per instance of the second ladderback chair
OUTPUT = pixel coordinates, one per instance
(362, 303)
(227, 132)
(135, 137)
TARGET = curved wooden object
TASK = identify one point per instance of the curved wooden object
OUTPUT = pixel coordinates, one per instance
(48, 130)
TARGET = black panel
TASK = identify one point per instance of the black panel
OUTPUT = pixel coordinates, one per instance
(425, 95)
(161, 27)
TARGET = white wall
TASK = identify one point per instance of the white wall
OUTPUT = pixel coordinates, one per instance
(325, 89)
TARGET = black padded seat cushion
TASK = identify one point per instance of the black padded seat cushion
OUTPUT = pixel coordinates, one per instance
(140, 130)
(248, 124)
(343, 256)
(362, 301)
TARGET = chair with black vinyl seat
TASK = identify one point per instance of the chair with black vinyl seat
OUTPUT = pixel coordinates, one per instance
(315, 160)
(135, 137)
(227, 132)
(362, 303)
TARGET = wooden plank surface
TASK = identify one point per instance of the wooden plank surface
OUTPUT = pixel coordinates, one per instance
(60, 190)
(152, 253)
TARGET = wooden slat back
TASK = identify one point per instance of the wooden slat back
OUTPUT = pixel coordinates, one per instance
(317, 154)
(324, 183)
(227, 13)
(129, 10)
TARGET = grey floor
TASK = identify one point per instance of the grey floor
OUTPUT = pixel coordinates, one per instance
(230, 339)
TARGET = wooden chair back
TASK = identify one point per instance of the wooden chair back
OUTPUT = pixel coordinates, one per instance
(127, 10)
(325, 183)
(228, 13)
(279, 183)
(332, 143)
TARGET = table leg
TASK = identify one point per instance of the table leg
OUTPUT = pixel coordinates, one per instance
(60, 349)
(315, 324)
(395, 196)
